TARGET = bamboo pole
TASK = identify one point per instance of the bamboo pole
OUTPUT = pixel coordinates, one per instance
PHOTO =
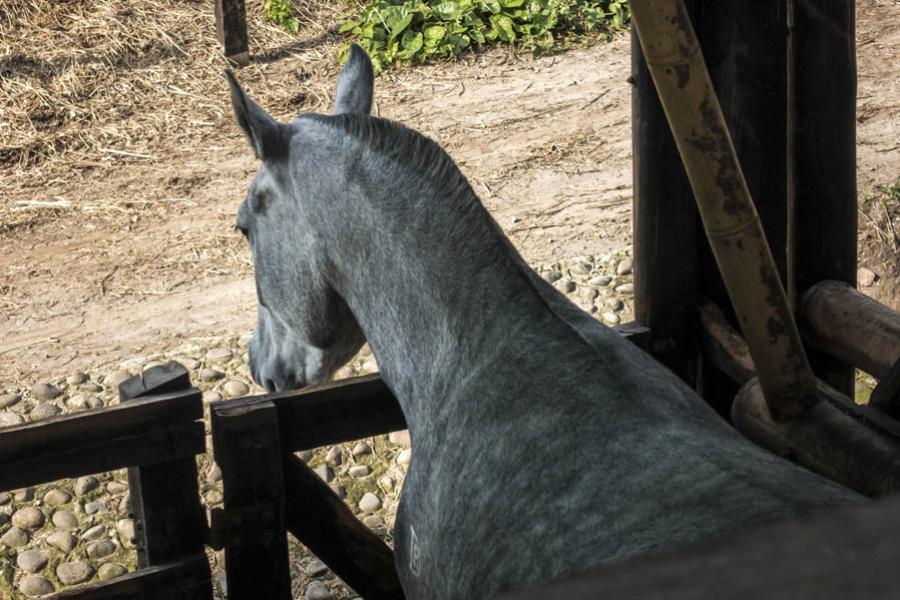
(729, 216)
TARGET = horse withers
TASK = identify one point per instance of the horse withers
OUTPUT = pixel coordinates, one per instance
(544, 443)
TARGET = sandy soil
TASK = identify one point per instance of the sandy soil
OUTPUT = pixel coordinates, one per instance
(138, 256)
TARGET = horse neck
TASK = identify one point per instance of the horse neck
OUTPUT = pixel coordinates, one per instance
(437, 291)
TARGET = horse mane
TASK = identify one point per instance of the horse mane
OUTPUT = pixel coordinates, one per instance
(404, 146)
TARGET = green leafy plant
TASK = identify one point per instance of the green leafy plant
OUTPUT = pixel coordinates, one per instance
(415, 30)
(281, 13)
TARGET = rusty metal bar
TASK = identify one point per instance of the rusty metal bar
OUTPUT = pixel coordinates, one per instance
(729, 216)
(851, 326)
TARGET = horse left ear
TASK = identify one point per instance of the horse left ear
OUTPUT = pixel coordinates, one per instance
(355, 84)
(265, 134)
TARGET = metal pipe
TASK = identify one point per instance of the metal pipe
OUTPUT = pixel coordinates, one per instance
(729, 216)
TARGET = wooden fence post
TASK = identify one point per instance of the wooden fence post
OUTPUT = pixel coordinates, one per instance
(170, 521)
(231, 30)
(248, 450)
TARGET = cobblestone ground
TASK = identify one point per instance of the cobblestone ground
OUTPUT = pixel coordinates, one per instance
(74, 532)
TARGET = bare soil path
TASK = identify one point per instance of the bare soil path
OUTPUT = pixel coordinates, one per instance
(107, 253)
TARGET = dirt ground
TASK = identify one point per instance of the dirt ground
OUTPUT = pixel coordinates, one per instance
(121, 170)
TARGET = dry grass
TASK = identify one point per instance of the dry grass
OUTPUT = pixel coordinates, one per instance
(94, 81)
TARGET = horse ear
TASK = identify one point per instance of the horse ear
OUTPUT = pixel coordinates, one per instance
(264, 133)
(355, 83)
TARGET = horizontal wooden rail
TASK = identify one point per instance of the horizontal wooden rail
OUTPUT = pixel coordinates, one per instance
(850, 326)
(850, 553)
(327, 526)
(187, 579)
(140, 432)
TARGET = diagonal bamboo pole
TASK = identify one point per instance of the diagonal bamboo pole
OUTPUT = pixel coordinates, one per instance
(727, 210)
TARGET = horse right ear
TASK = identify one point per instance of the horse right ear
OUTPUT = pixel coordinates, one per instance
(355, 84)
(264, 133)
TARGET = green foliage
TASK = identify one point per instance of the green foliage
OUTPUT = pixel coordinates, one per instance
(281, 13)
(414, 30)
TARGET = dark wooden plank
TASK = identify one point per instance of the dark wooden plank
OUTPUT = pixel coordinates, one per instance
(248, 450)
(187, 579)
(851, 326)
(637, 334)
(325, 525)
(170, 521)
(822, 117)
(850, 553)
(152, 430)
(231, 30)
(666, 230)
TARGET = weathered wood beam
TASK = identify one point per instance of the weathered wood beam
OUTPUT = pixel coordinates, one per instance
(847, 324)
(247, 449)
(231, 30)
(143, 432)
(170, 521)
(187, 579)
(849, 553)
(327, 526)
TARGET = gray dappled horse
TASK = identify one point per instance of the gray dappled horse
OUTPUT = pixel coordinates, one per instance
(544, 442)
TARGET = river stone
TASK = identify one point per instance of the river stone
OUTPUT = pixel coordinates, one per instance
(95, 507)
(625, 288)
(304, 455)
(210, 396)
(317, 590)
(94, 533)
(125, 528)
(7, 400)
(357, 471)
(551, 276)
(4, 498)
(373, 521)
(74, 572)
(101, 549)
(214, 474)
(219, 355)
(610, 317)
(65, 520)
(76, 378)
(35, 586)
(360, 449)
(614, 304)
(324, 472)
(210, 374)
(85, 485)
(110, 571)
(400, 438)
(14, 538)
(865, 277)
(4, 519)
(190, 364)
(28, 517)
(588, 293)
(44, 411)
(338, 489)
(369, 503)
(62, 540)
(25, 494)
(32, 561)
(113, 380)
(9, 419)
(44, 391)
(214, 497)
(600, 280)
(235, 388)
(580, 268)
(625, 267)
(92, 388)
(315, 568)
(334, 457)
(565, 285)
(57, 497)
(404, 457)
(116, 487)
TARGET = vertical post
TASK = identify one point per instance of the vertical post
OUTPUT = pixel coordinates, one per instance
(231, 30)
(170, 521)
(823, 159)
(248, 451)
(665, 230)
